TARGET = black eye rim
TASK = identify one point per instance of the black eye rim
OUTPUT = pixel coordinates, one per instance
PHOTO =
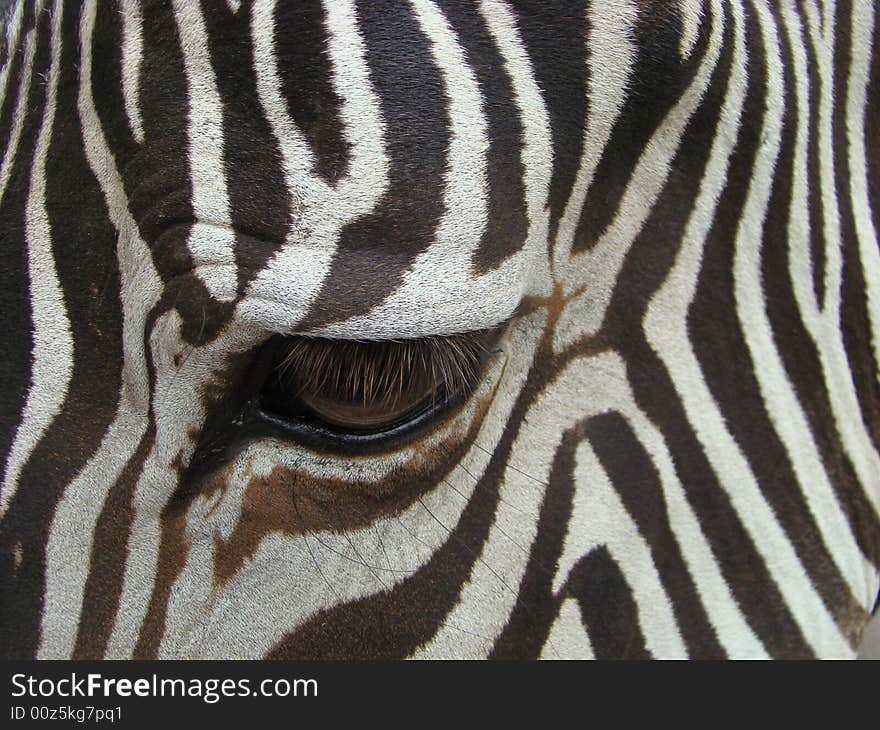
(324, 438)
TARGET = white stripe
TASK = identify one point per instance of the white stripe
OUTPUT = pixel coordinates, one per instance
(132, 55)
(464, 199)
(822, 36)
(297, 158)
(602, 520)
(71, 536)
(212, 246)
(537, 151)
(568, 639)
(52, 341)
(691, 18)
(276, 300)
(367, 177)
(722, 608)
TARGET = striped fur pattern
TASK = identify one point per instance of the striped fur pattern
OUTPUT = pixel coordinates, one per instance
(672, 206)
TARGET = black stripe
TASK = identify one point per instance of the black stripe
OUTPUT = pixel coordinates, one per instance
(555, 39)
(6, 9)
(658, 80)
(84, 247)
(536, 607)
(816, 210)
(608, 609)
(636, 481)
(507, 225)
(155, 175)
(375, 251)
(15, 314)
(259, 201)
(157, 182)
(106, 87)
(301, 39)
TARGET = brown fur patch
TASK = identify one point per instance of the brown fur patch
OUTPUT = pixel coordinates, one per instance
(295, 503)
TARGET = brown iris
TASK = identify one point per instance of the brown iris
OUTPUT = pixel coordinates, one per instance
(369, 387)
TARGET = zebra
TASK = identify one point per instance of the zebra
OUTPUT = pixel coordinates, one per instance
(439, 329)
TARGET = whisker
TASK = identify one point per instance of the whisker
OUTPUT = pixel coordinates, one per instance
(305, 534)
(364, 563)
(454, 535)
(511, 466)
(382, 545)
(501, 499)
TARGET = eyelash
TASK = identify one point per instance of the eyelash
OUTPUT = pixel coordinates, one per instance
(378, 371)
(380, 385)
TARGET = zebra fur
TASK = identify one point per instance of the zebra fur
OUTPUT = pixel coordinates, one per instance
(668, 208)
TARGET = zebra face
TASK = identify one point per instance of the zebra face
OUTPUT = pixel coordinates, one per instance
(438, 329)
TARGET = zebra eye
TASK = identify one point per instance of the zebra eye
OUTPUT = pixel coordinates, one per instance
(369, 389)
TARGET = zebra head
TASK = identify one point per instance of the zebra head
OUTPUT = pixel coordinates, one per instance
(439, 329)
